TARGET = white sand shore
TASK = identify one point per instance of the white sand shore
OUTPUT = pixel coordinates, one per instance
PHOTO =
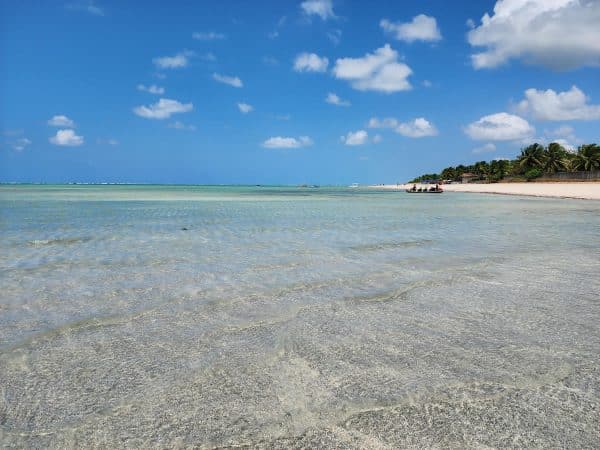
(583, 190)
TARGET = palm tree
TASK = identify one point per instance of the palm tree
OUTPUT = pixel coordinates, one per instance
(531, 157)
(499, 168)
(481, 169)
(449, 173)
(554, 157)
(569, 163)
(587, 157)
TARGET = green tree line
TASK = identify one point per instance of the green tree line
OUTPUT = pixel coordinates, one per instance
(534, 161)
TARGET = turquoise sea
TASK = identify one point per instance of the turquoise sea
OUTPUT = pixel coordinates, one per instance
(285, 317)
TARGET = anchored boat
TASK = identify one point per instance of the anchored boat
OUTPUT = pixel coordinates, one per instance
(439, 191)
(431, 190)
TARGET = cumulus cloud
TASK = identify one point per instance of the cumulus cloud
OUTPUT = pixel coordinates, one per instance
(152, 89)
(287, 142)
(564, 131)
(417, 128)
(560, 34)
(377, 139)
(487, 148)
(66, 138)
(388, 122)
(552, 105)
(333, 99)
(61, 121)
(207, 36)
(563, 135)
(163, 109)
(231, 81)
(321, 8)
(421, 28)
(245, 108)
(377, 71)
(500, 127)
(20, 144)
(359, 137)
(173, 62)
(310, 62)
(181, 126)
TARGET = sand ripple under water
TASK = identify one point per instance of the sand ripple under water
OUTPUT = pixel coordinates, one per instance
(335, 319)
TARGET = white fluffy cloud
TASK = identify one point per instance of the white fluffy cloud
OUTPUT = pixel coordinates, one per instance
(321, 8)
(359, 137)
(66, 138)
(231, 81)
(333, 99)
(377, 71)
(152, 89)
(487, 148)
(163, 109)
(500, 127)
(20, 144)
(552, 105)
(287, 142)
(310, 62)
(245, 108)
(173, 62)
(564, 131)
(563, 135)
(61, 121)
(421, 28)
(388, 122)
(560, 34)
(417, 128)
(207, 36)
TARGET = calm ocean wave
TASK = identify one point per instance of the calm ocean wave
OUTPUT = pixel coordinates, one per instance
(158, 316)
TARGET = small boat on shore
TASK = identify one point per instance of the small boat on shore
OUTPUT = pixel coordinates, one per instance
(425, 191)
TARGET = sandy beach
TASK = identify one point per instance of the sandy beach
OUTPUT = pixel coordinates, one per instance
(582, 190)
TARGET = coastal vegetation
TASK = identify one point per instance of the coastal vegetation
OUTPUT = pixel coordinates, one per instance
(535, 161)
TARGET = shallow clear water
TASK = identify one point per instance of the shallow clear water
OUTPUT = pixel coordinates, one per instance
(164, 316)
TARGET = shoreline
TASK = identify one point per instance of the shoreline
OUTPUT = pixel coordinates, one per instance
(565, 190)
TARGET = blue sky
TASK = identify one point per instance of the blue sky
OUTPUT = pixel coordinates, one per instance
(287, 92)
